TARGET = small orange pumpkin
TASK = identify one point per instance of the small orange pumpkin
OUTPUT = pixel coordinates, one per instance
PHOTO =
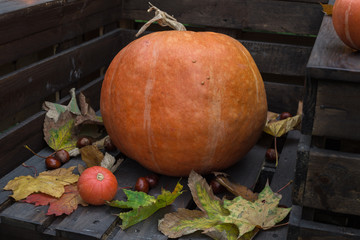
(97, 185)
(346, 21)
(180, 100)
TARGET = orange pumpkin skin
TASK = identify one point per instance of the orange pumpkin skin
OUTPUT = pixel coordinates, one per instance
(346, 21)
(180, 100)
(97, 185)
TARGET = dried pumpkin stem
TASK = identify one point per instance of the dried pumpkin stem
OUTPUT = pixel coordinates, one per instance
(163, 20)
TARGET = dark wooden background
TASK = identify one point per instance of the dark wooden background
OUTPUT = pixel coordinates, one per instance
(50, 46)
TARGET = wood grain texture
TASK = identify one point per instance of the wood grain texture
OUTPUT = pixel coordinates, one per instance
(302, 161)
(29, 132)
(275, 16)
(311, 230)
(331, 58)
(283, 59)
(309, 103)
(27, 21)
(330, 181)
(337, 111)
(15, 5)
(37, 41)
(283, 97)
(34, 83)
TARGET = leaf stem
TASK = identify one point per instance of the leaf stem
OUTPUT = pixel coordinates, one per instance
(286, 185)
(275, 226)
(276, 152)
(28, 148)
(32, 167)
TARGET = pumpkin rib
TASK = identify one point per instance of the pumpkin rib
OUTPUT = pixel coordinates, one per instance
(147, 107)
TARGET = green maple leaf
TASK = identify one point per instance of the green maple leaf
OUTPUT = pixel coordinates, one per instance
(235, 219)
(144, 205)
(62, 137)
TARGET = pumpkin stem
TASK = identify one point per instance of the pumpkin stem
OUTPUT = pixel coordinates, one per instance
(163, 19)
(100, 176)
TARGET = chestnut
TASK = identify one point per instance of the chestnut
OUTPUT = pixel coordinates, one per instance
(142, 185)
(83, 141)
(152, 179)
(62, 155)
(285, 115)
(52, 163)
(270, 155)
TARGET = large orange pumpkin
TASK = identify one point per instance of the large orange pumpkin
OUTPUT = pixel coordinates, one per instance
(346, 21)
(180, 100)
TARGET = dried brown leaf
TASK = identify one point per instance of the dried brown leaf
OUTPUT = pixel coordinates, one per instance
(235, 188)
(91, 155)
(88, 115)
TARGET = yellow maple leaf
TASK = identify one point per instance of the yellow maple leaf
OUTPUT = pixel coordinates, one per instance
(279, 128)
(49, 182)
(327, 8)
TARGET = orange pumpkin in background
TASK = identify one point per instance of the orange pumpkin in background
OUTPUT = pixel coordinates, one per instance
(346, 21)
(180, 100)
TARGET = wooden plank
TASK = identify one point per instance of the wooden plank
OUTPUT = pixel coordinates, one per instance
(309, 104)
(330, 181)
(331, 58)
(283, 97)
(337, 112)
(34, 83)
(29, 132)
(285, 59)
(310, 230)
(302, 162)
(39, 40)
(26, 21)
(276, 16)
(15, 5)
(284, 173)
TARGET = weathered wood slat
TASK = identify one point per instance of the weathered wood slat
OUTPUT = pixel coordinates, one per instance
(52, 74)
(302, 162)
(276, 16)
(281, 59)
(330, 181)
(283, 97)
(337, 110)
(310, 230)
(29, 132)
(32, 43)
(15, 5)
(27, 21)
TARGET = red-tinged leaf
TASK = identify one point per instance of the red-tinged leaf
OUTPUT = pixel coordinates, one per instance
(66, 204)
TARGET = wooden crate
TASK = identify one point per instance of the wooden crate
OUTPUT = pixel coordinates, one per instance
(328, 156)
(50, 46)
